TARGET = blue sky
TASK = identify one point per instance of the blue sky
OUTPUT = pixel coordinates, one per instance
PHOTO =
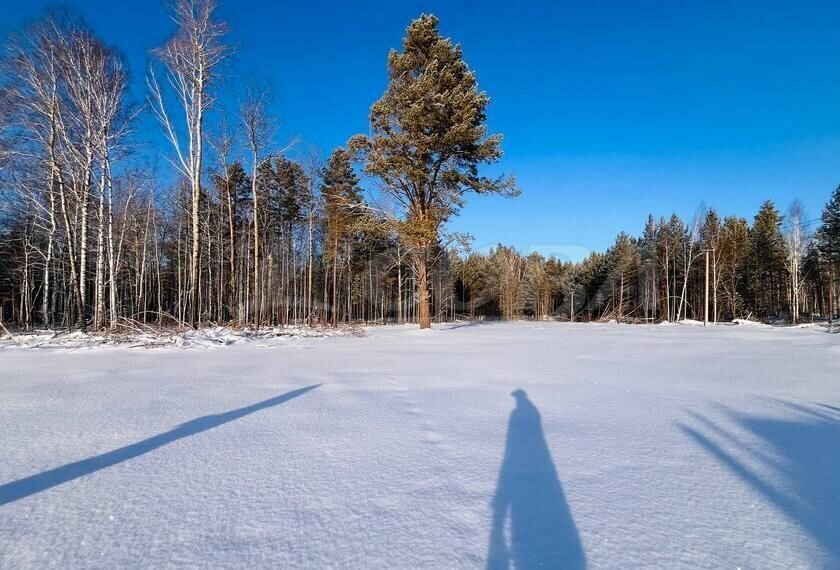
(610, 109)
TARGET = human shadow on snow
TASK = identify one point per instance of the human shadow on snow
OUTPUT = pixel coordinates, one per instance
(794, 464)
(33, 484)
(532, 526)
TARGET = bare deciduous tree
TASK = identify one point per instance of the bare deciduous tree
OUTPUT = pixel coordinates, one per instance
(255, 119)
(191, 59)
(796, 244)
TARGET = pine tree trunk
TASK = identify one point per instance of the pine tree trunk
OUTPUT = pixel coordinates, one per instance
(399, 286)
(335, 283)
(423, 309)
(621, 299)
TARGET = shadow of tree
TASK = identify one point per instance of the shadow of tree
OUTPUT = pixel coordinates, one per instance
(796, 467)
(15, 490)
(532, 526)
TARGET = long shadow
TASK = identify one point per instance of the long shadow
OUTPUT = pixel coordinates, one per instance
(532, 526)
(833, 408)
(796, 468)
(33, 484)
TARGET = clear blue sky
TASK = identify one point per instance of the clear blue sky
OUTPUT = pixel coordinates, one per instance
(610, 109)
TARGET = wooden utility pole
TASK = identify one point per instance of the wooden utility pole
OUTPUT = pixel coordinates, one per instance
(706, 310)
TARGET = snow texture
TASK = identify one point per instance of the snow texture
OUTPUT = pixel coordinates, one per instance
(493, 446)
(155, 338)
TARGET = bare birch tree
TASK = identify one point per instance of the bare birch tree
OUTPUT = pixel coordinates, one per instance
(191, 59)
(796, 244)
(256, 122)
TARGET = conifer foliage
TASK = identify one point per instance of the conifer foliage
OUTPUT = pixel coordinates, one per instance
(429, 139)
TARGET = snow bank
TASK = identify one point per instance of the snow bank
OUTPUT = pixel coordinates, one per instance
(749, 323)
(201, 338)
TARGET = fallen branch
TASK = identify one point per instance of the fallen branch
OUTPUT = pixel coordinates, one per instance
(8, 332)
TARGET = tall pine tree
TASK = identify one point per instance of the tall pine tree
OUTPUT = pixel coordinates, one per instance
(342, 201)
(428, 139)
(828, 237)
(767, 261)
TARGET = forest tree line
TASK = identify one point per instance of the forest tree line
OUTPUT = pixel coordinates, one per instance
(256, 234)
(771, 268)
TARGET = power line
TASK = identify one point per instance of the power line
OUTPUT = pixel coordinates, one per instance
(804, 224)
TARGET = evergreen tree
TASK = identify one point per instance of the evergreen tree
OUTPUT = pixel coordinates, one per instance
(828, 239)
(342, 200)
(428, 140)
(473, 275)
(593, 279)
(507, 271)
(648, 282)
(557, 274)
(540, 285)
(710, 237)
(767, 261)
(672, 237)
(623, 262)
(734, 251)
(234, 186)
(290, 197)
(829, 231)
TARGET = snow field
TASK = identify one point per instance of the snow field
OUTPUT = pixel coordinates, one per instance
(631, 447)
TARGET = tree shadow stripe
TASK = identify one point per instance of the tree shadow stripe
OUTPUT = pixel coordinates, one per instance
(21, 488)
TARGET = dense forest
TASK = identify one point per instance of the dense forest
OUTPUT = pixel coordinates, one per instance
(254, 233)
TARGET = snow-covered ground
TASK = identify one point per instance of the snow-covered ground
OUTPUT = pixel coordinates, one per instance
(621, 447)
(151, 337)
